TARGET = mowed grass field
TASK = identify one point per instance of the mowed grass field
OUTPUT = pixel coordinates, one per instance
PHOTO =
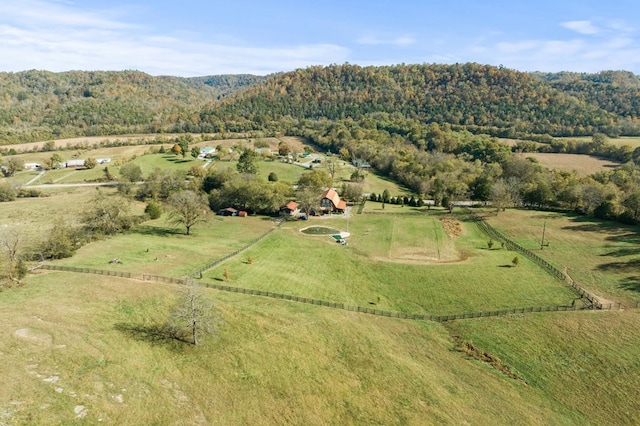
(602, 256)
(392, 262)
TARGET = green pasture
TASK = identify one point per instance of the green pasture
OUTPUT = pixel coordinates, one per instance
(158, 248)
(584, 361)
(88, 351)
(384, 266)
(602, 256)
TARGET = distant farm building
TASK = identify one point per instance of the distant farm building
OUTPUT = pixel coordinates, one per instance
(32, 166)
(330, 202)
(103, 160)
(360, 164)
(206, 150)
(73, 164)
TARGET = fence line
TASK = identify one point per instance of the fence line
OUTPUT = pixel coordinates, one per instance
(553, 270)
(86, 270)
(335, 305)
(232, 254)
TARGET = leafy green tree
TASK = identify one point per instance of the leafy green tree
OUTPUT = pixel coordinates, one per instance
(515, 261)
(283, 149)
(161, 183)
(107, 215)
(195, 152)
(187, 208)
(183, 143)
(153, 210)
(7, 192)
(13, 165)
(90, 163)
(309, 199)
(273, 177)
(315, 179)
(131, 172)
(248, 162)
(62, 241)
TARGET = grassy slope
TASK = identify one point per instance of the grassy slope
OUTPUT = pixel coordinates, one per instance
(586, 361)
(602, 256)
(272, 363)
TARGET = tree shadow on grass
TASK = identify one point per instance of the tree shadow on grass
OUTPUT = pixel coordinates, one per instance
(631, 283)
(155, 334)
(630, 266)
(155, 231)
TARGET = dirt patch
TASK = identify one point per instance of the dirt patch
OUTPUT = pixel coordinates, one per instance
(34, 335)
(452, 227)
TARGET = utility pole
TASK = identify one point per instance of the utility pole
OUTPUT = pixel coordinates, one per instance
(544, 227)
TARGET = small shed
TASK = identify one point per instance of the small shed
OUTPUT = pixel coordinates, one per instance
(229, 211)
(290, 209)
(242, 213)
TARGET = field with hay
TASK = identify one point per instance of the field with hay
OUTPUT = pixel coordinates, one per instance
(582, 165)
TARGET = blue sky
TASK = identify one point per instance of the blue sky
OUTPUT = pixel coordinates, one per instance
(195, 38)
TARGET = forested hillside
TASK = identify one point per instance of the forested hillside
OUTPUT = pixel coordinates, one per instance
(40, 105)
(480, 98)
(617, 92)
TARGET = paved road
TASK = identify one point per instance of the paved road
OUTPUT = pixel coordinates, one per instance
(71, 185)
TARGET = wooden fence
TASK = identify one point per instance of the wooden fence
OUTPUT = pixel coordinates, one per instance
(335, 305)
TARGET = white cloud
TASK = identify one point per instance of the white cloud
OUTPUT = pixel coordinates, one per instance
(582, 27)
(57, 37)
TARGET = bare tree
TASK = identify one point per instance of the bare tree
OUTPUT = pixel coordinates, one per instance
(193, 317)
(187, 208)
(10, 241)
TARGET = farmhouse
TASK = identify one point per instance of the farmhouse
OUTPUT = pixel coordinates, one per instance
(32, 166)
(330, 202)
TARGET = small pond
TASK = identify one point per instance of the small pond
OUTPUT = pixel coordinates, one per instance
(319, 230)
